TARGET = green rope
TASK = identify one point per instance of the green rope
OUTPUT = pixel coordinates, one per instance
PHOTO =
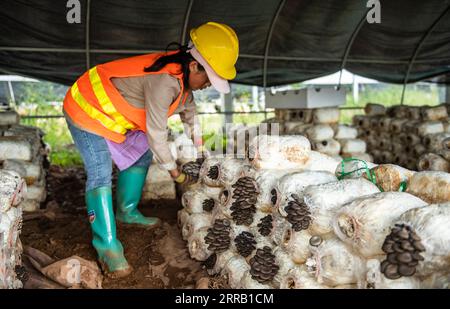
(370, 174)
(403, 186)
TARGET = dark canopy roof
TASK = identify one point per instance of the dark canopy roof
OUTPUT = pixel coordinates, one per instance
(281, 41)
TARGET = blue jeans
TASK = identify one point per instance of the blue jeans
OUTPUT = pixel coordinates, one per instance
(97, 158)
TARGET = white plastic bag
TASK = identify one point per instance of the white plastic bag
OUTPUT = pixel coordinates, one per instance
(429, 127)
(434, 142)
(397, 125)
(350, 168)
(385, 124)
(234, 270)
(374, 279)
(434, 113)
(13, 147)
(364, 223)
(295, 183)
(221, 260)
(433, 162)
(342, 131)
(362, 121)
(194, 223)
(10, 247)
(30, 205)
(335, 264)
(320, 132)
(231, 169)
(327, 115)
(320, 162)
(267, 181)
(12, 190)
(391, 177)
(431, 186)
(182, 216)
(299, 278)
(185, 150)
(198, 249)
(30, 171)
(440, 280)
(284, 261)
(279, 152)
(353, 145)
(324, 200)
(247, 282)
(431, 224)
(37, 193)
(373, 109)
(296, 244)
(202, 199)
(329, 147)
(209, 172)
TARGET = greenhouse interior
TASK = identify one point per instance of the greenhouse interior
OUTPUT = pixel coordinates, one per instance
(273, 144)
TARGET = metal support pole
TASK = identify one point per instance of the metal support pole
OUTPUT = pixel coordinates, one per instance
(417, 49)
(350, 42)
(447, 93)
(268, 39)
(186, 21)
(227, 103)
(11, 94)
(255, 97)
(355, 89)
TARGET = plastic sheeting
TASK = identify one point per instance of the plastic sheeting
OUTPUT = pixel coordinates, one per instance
(302, 39)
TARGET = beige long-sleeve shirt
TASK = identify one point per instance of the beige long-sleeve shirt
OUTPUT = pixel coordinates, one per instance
(155, 93)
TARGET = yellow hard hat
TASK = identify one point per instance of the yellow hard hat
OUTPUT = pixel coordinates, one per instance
(219, 46)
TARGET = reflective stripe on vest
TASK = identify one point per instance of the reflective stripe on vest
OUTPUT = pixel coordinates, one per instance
(95, 113)
(105, 101)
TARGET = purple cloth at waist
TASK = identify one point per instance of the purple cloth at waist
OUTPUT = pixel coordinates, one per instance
(127, 153)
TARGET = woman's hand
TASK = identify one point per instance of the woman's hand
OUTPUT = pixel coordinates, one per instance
(181, 178)
(175, 173)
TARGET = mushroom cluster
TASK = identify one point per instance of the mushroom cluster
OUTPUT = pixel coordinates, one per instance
(403, 247)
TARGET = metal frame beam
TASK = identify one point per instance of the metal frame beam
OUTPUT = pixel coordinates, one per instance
(417, 49)
(199, 113)
(447, 93)
(244, 56)
(186, 21)
(350, 44)
(268, 39)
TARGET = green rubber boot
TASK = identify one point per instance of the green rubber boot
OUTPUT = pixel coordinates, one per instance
(109, 248)
(129, 191)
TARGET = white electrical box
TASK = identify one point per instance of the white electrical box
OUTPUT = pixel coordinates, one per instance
(306, 98)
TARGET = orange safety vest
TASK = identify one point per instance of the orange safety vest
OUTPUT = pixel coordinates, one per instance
(95, 104)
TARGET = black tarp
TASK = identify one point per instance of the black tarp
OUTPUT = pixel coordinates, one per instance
(309, 38)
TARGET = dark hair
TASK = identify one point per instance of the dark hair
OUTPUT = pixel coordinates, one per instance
(181, 57)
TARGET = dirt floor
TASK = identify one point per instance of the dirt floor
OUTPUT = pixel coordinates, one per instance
(159, 258)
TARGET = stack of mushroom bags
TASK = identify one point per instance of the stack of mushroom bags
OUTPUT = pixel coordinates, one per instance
(22, 150)
(290, 217)
(321, 126)
(415, 137)
(12, 191)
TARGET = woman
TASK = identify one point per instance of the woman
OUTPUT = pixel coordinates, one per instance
(118, 112)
